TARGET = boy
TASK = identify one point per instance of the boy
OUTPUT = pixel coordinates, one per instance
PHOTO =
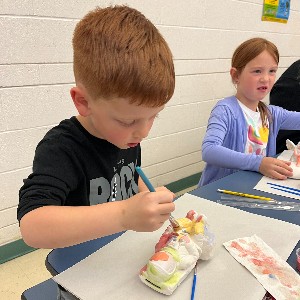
(124, 76)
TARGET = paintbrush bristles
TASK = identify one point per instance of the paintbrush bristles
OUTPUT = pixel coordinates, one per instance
(195, 269)
(174, 223)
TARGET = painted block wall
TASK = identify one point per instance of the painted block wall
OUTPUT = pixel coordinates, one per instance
(36, 75)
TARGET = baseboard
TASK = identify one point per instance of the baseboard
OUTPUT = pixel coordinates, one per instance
(184, 183)
(13, 250)
(19, 248)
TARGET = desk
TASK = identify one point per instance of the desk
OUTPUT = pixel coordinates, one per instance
(244, 182)
(60, 259)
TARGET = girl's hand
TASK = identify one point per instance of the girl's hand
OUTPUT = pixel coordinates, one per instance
(147, 211)
(275, 168)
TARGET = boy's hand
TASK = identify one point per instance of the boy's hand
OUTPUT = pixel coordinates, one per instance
(147, 211)
(275, 168)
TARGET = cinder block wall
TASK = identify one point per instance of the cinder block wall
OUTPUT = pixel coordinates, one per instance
(36, 75)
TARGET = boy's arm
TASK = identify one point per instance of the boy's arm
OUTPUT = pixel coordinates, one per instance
(63, 226)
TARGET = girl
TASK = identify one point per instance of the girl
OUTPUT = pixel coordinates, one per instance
(241, 131)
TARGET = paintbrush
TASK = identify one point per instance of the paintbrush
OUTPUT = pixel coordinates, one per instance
(194, 282)
(172, 220)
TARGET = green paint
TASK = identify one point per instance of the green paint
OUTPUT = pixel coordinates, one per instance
(172, 252)
(152, 270)
(173, 280)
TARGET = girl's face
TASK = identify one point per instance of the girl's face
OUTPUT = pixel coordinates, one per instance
(256, 80)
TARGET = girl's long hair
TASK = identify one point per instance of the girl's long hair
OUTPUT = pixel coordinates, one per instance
(247, 51)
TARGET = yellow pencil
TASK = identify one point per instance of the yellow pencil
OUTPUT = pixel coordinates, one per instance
(245, 195)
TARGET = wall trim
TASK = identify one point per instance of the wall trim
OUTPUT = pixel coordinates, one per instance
(13, 250)
(184, 183)
(18, 248)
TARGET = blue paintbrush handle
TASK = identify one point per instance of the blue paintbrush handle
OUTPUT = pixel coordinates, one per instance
(145, 179)
(150, 187)
(284, 187)
(285, 190)
(193, 287)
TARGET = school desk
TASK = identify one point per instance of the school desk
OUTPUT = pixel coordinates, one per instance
(59, 260)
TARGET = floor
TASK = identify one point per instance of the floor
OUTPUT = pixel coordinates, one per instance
(21, 273)
(26, 271)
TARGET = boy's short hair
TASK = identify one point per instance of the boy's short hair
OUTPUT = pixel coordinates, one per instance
(120, 53)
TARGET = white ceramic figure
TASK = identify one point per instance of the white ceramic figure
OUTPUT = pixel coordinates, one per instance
(177, 252)
(295, 158)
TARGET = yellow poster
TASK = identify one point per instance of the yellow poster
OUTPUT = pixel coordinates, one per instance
(276, 10)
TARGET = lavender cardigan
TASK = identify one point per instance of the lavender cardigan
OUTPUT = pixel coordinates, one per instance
(226, 135)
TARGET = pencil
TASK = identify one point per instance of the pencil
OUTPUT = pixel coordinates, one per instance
(150, 187)
(245, 195)
(194, 282)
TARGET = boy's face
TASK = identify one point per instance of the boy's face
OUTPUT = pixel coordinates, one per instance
(123, 124)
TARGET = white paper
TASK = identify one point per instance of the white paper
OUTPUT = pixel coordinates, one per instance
(292, 183)
(112, 272)
(275, 274)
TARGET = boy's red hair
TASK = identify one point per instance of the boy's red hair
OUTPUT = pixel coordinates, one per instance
(120, 53)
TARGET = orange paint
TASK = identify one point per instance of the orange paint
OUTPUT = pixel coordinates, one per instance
(160, 256)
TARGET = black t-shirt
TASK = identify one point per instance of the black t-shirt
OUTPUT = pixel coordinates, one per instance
(286, 93)
(72, 167)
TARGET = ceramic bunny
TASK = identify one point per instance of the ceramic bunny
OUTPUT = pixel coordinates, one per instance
(177, 252)
(295, 158)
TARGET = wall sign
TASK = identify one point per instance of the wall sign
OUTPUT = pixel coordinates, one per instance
(276, 10)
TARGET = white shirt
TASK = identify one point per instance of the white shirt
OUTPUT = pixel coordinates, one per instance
(257, 136)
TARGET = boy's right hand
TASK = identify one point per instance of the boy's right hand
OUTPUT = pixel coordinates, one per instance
(275, 168)
(147, 211)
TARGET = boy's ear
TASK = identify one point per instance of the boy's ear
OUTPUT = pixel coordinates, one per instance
(234, 75)
(80, 101)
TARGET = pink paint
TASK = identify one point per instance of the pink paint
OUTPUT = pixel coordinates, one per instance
(272, 272)
(266, 264)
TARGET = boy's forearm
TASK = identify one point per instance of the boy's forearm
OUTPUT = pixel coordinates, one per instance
(63, 226)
